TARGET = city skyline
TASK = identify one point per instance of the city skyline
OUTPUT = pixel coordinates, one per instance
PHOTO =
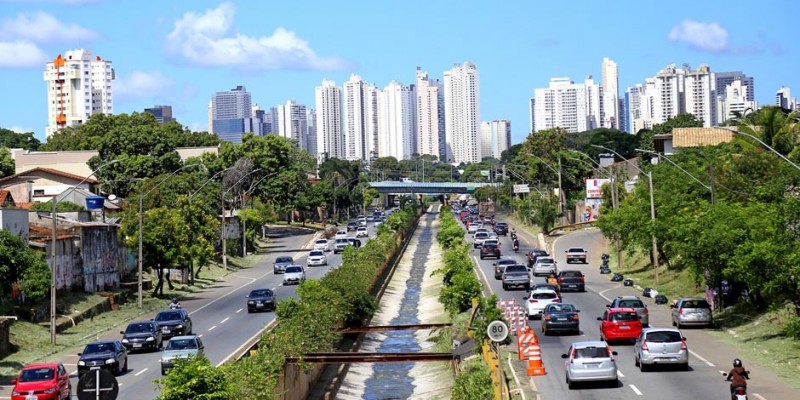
(159, 54)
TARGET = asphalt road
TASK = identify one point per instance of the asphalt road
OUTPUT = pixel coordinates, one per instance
(703, 380)
(220, 315)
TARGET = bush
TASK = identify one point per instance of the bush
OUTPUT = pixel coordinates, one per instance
(194, 379)
(792, 328)
(474, 382)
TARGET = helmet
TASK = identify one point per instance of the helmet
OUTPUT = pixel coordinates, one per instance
(174, 299)
(737, 362)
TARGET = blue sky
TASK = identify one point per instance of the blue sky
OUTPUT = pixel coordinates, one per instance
(181, 52)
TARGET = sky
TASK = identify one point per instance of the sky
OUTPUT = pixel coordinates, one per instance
(181, 52)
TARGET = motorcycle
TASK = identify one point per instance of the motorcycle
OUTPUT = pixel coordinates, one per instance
(738, 392)
(516, 247)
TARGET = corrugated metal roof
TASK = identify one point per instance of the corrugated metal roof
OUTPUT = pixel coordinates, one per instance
(696, 137)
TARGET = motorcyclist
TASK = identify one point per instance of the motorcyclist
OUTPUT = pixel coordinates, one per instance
(552, 280)
(516, 244)
(738, 376)
(175, 304)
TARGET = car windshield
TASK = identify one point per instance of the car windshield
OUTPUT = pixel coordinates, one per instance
(92, 348)
(624, 317)
(138, 328)
(322, 241)
(37, 374)
(543, 295)
(545, 260)
(591, 352)
(630, 304)
(261, 293)
(560, 308)
(664, 337)
(695, 304)
(362, 229)
(340, 241)
(576, 250)
(316, 254)
(283, 260)
(293, 269)
(168, 316)
(181, 344)
(506, 262)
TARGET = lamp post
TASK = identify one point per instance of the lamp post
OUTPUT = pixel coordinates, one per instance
(140, 302)
(558, 172)
(737, 132)
(652, 206)
(222, 233)
(244, 223)
(53, 247)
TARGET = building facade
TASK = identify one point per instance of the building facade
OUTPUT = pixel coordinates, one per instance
(292, 122)
(354, 106)
(700, 95)
(733, 101)
(784, 99)
(311, 131)
(725, 79)
(232, 114)
(78, 86)
(462, 113)
(330, 141)
(495, 138)
(396, 120)
(162, 113)
(576, 107)
(610, 76)
(428, 118)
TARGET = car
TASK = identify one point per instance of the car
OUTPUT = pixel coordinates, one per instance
(537, 300)
(142, 335)
(341, 235)
(316, 257)
(322, 245)
(620, 324)
(362, 232)
(635, 303)
(472, 228)
(533, 255)
(546, 286)
(577, 254)
(571, 280)
(482, 228)
(490, 250)
(479, 238)
(492, 240)
(501, 228)
(340, 244)
(294, 275)
(180, 347)
(281, 263)
(356, 243)
(591, 361)
(105, 354)
(370, 218)
(362, 222)
(174, 322)
(42, 381)
(515, 276)
(493, 236)
(500, 266)
(691, 311)
(352, 225)
(544, 266)
(260, 300)
(560, 317)
(660, 346)
(378, 222)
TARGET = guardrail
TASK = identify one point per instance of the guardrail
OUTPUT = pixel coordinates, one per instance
(571, 227)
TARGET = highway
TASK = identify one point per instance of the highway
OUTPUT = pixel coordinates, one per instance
(708, 358)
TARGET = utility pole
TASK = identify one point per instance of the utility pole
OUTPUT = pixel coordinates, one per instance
(653, 219)
(244, 228)
(615, 202)
(560, 192)
(711, 184)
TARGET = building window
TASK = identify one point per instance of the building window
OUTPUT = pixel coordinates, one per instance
(38, 192)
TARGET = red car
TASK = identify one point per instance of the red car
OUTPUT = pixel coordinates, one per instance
(45, 381)
(620, 324)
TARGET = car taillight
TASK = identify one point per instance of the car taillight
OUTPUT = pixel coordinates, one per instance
(534, 301)
(644, 345)
(680, 311)
(572, 359)
(582, 280)
(683, 345)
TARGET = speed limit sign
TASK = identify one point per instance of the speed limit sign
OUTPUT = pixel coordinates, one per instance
(497, 331)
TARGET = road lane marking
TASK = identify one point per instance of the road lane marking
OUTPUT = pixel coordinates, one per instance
(635, 389)
(141, 372)
(620, 374)
(701, 358)
(247, 342)
(759, 397)
(723, 373)
(223, 321)
(513, 372)
(231, 292)
(477, 265)
(212, 328)
(239, 310)
(200, 335)
(601, 294)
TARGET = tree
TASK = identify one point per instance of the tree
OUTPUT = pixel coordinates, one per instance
(387, 168)
(195, 378)
(544, 213)
(20, 263)
(7, 165)
(774, 126)
(646, 136)
(13, 140)
(62, 206)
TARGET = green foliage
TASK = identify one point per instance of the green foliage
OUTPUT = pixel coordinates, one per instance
(460, 283)
(488, 312)
(792, 328)
(18, 262)
(14, 140)
(7, 164)
(474, 382)
(544, 213)
(62, 206)
(195, 378)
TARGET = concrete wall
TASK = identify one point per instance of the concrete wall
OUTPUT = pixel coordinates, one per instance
(68, 261)
(15, 221)
(295, 384)
(103, 258)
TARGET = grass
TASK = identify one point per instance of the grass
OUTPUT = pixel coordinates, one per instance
(673, 283)
(312, 225)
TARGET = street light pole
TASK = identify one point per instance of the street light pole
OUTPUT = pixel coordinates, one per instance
(244, 220)
(222, 234)
(53, 244)
(736, 132)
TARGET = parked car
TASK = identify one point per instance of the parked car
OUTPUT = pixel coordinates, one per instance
(42, 381)
(500, 266)
(294, 275)
(691, 311)
(571, 280)
(317, 257)
(660, 346)
(544, 266)
(515, 276)
(142, 335)
(362, 232)
(478, 239)
(180, 347)
(322, 245)
(281, 263)
(260, 300)
(174, 322)
(634, 303)
(533, 255)
(620, 324)
(490, 250)
(106, 354)
(590, 362)
(501, 228)
(560, 317)
(340, 244)
(352, 225)
(537, 300)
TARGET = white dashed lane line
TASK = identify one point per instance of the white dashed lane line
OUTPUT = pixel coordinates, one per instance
(620, 374)
(223, 321)
(701, 358)
(141, 372)
(635, 389)
(212, 328)
(239, 310)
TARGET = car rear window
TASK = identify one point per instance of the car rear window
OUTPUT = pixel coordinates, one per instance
(490, 245)
(695, 304)
(516, 268)
(631, 304)
(576, 250)
(571, 274)
(506, 262)
(316, 254)
(543, 295)
(591, 352)
(293, 269)
(664, 337)
(624, 317)
(555, 308)
(544, 260)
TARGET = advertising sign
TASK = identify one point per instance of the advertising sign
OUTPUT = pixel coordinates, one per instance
(522, 189)
(594, 188)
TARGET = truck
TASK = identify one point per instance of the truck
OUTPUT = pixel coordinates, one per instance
(486, 210)
(516, 276)
(577, 254)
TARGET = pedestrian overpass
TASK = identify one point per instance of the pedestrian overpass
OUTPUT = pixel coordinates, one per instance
(432, 188)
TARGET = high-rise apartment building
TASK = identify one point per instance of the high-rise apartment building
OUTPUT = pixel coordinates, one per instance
(641, 106)
(532, 114)
(292, 122)
(396, 120)
(495, 138)
(732, 101)
(610, 82)
(725, 79)
(330, 141)
(784, 99)
(232, 114)
(576, 107)
(462, 113)
(78, 86)
(354, 105)
(622, 109)
(428, 118)
(700, 95)
(669, 100)
(162, 113)
(371, 92)
(311, 131)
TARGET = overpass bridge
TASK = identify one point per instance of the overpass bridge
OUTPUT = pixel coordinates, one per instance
(432, 188)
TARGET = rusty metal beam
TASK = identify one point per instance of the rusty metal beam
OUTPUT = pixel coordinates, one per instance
(354, 357)
(382, 328)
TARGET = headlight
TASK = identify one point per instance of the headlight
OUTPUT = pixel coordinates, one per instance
(179, 327)
(81, 363)
(124, 340)
(150, 339)
(111, 361)
(250, 302)
(51, 390)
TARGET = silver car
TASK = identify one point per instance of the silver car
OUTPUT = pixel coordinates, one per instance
(294, 275)
(180, 347)
(479, 238)
(635, 303)
(691, 311)
(590, 362)
(544, 266)
(656, 346)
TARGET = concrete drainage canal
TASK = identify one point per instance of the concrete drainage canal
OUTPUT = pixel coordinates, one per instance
(411, 297)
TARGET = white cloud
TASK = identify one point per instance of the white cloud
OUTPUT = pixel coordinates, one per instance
(21, 54)
(142, 85)
(20, 129)
(42, 27)
(709, 37)
(205, 40)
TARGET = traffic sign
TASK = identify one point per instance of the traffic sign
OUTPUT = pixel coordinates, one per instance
(522, 189)
(97, 384)
(497, 331)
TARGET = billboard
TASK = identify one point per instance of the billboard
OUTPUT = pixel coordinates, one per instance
(594, 188)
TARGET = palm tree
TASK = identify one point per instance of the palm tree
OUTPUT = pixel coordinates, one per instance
(773, 125)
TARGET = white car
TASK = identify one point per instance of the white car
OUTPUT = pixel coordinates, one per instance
(341, 235)
(294, 275)
(362, 222)
(317, 257)
(478, 239)
(538, 300)
(362, 232)
(322, 245)
(472, 228)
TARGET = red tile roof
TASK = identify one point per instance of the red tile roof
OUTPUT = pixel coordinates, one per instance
(4, 196)
(52, 172)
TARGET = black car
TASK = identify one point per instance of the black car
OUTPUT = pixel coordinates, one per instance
(561, 317)
(356, 243)
(142, 335)
(105, 354)
(533, 255)
(174, 323)
(260, 300)
(501, 229)
(351, 226)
